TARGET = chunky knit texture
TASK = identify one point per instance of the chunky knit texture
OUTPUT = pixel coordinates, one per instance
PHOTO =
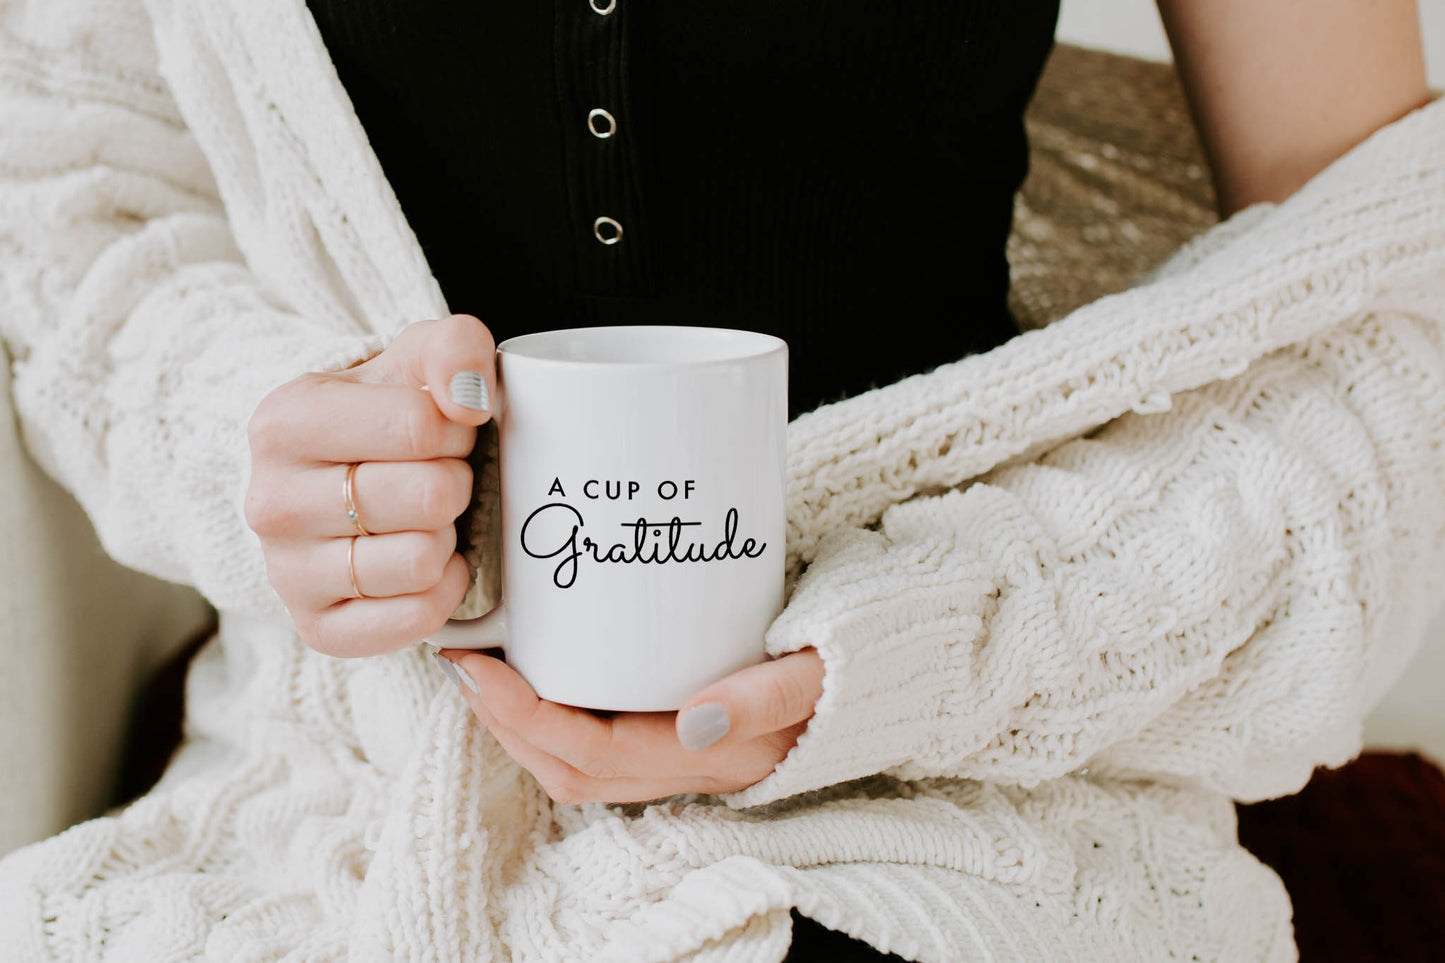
(1072, 595)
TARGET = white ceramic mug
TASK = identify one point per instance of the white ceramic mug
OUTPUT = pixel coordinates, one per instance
(643, 525)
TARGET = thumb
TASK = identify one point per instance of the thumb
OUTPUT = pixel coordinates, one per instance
(453, 358)
(754, 701)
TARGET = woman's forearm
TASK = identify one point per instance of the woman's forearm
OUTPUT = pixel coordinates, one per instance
(1279, 88)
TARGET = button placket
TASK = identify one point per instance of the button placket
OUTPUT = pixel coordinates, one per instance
(605, 229)
(602, 126)
(604, 167)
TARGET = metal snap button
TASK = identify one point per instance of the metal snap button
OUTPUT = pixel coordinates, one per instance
(603, 9)
(606, 230)
(602, 124)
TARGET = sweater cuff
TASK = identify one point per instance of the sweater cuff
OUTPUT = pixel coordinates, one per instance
(349, 352)
(897, 625)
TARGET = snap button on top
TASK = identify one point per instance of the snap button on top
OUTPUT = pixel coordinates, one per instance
(602, 124)
(606, 230)
(603, 8)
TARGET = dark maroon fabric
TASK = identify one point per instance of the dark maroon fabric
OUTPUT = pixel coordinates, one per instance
(1361, 850)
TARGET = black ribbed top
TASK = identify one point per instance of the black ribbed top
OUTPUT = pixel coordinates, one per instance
(839, 173)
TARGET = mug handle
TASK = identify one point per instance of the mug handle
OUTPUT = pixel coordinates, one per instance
(485, 632)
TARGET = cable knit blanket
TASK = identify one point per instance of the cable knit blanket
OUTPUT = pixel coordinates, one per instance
(1073, 595)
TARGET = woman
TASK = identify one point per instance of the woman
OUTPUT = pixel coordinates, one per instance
(1008, 721)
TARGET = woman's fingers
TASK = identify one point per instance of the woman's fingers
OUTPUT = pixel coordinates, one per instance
(571, 733)
(631, 753)
(404, 421)
(763, 698)
(328, 418)
(372, 626)
(400, 496)
(401, 563)
(315, 572)
(390, 496)
(559, 775)
(459, 364)
(570, 786)
(433, 353)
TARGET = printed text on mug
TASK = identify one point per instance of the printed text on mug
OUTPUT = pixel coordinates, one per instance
(554, 530)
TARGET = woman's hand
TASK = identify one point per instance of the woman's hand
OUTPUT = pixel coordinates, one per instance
(410, 486)
(728, 736)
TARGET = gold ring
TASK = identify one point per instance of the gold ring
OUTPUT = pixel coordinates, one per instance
(348, 492)
(351, 568)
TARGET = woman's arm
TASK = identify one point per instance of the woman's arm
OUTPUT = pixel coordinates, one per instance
(1279, 88)
(1218, 592)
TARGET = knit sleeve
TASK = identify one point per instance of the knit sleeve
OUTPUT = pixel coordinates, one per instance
(1212, 588)
(140, 342)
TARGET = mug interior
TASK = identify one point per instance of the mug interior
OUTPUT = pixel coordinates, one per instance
(645, 344)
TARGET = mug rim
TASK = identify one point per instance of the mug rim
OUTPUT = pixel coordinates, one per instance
(757, 345)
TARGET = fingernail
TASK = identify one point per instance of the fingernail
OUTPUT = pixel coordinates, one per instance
(469, 389)
(448, 670)
(701, 726)
(466, 679)
(455, 672)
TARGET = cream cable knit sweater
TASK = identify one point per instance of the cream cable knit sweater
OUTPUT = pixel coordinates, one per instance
(1072, 595)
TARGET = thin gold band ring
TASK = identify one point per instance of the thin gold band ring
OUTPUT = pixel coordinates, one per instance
(348, 493)
(351, 568)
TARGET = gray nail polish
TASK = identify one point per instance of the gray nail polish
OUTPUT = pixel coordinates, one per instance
(466, 679)
(469, 389)
(701, 726)
(449, 670)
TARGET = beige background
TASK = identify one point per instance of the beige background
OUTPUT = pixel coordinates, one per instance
(1132, 27)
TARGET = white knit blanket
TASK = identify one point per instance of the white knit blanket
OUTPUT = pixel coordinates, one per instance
(1073, 595)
